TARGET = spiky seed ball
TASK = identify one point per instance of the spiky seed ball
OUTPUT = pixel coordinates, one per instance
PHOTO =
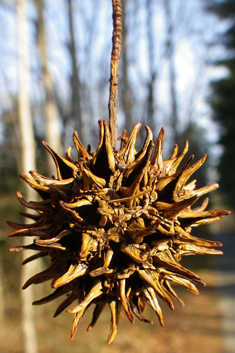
(115, 226)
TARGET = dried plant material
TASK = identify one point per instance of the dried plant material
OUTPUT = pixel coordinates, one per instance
(115, 225)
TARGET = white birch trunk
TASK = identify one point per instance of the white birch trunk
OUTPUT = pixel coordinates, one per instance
(51, 112)
(76, 111)
(170, 51)
(28, 163)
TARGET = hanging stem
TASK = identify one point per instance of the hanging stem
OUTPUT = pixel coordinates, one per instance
(115, 58)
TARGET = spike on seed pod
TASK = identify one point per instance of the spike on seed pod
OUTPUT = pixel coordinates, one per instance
(115, 225)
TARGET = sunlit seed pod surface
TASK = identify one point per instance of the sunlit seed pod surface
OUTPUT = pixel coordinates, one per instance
(115, 225)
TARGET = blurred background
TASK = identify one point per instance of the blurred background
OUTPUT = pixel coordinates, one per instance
(177, 70)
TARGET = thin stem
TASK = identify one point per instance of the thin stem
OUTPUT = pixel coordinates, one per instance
(115, 58)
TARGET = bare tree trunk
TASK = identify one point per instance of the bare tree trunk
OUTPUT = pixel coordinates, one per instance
(152, 71)
(75, 80)
(51, 112)
(28, 163)
(172, 71)
(126, 92)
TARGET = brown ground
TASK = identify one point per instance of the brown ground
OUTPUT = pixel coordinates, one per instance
(194, 328)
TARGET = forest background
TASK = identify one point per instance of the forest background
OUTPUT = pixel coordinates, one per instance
(177, 70)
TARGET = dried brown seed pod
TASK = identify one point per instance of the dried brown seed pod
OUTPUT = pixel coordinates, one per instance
(115, 226)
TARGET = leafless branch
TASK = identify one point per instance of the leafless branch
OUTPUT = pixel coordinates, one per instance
(115, 58)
